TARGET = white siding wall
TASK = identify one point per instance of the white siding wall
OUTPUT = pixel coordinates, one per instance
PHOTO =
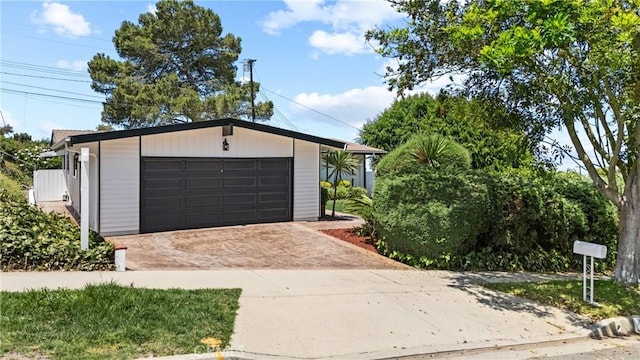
(73, 183)
(207, 142)
(49, 185)
(306, 181)
(120, 186)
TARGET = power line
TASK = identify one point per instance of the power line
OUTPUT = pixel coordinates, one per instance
(312, 109)
(45, 77)
(48, 89)
(42, 68)
(13, 91)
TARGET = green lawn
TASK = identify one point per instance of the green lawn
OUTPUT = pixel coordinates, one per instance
(615, 299)
(110, 321)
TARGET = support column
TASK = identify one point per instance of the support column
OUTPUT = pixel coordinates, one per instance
(84, 198)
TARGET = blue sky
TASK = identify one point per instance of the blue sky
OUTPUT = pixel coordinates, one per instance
(309, 52)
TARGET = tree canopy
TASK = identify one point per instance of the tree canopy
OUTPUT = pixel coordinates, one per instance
(573, 64)
(493, 137)
(177, 66)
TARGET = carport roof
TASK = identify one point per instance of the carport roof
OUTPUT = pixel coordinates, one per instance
(120, 134)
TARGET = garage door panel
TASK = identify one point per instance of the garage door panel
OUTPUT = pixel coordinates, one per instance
(189, 193)
(239, 164)
(273, 197)
(272, 213)
(163, 202)
(239, 199)
(203, 201)
(162, 222)
(163, 165)
(198, 165)
(236, 181)
(239, 216)
(203, 184)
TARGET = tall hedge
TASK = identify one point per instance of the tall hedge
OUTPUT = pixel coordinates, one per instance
(477, 221)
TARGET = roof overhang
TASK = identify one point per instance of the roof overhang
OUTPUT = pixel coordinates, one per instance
(121, 134)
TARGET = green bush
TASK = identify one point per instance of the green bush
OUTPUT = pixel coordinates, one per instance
(345, 183)
(31, 239)
(508, 221)
(12, 189)
(425, 151)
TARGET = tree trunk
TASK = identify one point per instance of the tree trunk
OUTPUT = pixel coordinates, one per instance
(628, 261)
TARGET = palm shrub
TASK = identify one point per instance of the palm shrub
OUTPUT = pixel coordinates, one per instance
(433, 151)
(341, 163)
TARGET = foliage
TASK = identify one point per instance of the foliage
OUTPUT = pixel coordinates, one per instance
(555, 63)
(11, 189)
(324, 195)
(425, 150)
(107, 321)
(31, 239)
(485, 221)
(345, 183)
(363, 207)
(177, 67)
(19, 157)
(614, 299)
(340, 163)
(494, 137)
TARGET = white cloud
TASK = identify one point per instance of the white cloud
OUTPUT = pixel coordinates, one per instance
(77, 65)
(62, 20)
(348, 20)
(152, 8)
(354, 106)
(347, 43)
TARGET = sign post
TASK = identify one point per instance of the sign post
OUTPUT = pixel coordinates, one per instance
(591, 250)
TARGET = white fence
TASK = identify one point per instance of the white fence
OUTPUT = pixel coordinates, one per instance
(49, 185)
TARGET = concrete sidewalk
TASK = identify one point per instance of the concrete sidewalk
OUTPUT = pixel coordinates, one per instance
(352, 314)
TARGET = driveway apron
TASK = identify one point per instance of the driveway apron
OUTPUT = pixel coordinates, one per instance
(265, 246)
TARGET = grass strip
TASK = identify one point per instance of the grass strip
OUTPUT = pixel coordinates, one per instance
(109, 321)
(614, 299)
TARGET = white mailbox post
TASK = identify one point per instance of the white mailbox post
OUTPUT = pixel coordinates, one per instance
(591, 250)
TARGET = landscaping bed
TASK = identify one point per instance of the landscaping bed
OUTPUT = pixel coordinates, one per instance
(350, 236)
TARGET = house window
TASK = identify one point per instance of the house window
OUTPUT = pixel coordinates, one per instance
(76, 164)
(65, 163)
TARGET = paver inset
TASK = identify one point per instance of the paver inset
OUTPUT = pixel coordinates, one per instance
(264, 246)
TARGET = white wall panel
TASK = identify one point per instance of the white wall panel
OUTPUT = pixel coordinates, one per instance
(244, 143)
(306, 181)
(119, 186)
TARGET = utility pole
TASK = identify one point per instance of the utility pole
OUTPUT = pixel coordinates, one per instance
(253, 105)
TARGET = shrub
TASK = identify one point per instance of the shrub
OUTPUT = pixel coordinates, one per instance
(31, 239)
(11, 188)
(345, 183)
(325, 184)
(425, 151)
(509, 221)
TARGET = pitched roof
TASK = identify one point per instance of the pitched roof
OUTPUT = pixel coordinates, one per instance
(120, 134)
(362, 149)
(58, 135)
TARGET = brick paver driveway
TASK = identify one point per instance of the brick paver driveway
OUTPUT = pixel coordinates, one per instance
(266, 246)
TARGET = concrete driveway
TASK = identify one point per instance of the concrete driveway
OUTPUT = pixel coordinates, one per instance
(290, 245)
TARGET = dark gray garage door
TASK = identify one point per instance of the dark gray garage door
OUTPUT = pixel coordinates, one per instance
(189, 193)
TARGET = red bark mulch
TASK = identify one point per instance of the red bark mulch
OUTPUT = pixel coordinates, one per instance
(350, 236)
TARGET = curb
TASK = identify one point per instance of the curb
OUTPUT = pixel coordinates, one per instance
(617, 327)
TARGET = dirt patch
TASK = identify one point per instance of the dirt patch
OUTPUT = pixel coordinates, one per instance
(349, 235)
